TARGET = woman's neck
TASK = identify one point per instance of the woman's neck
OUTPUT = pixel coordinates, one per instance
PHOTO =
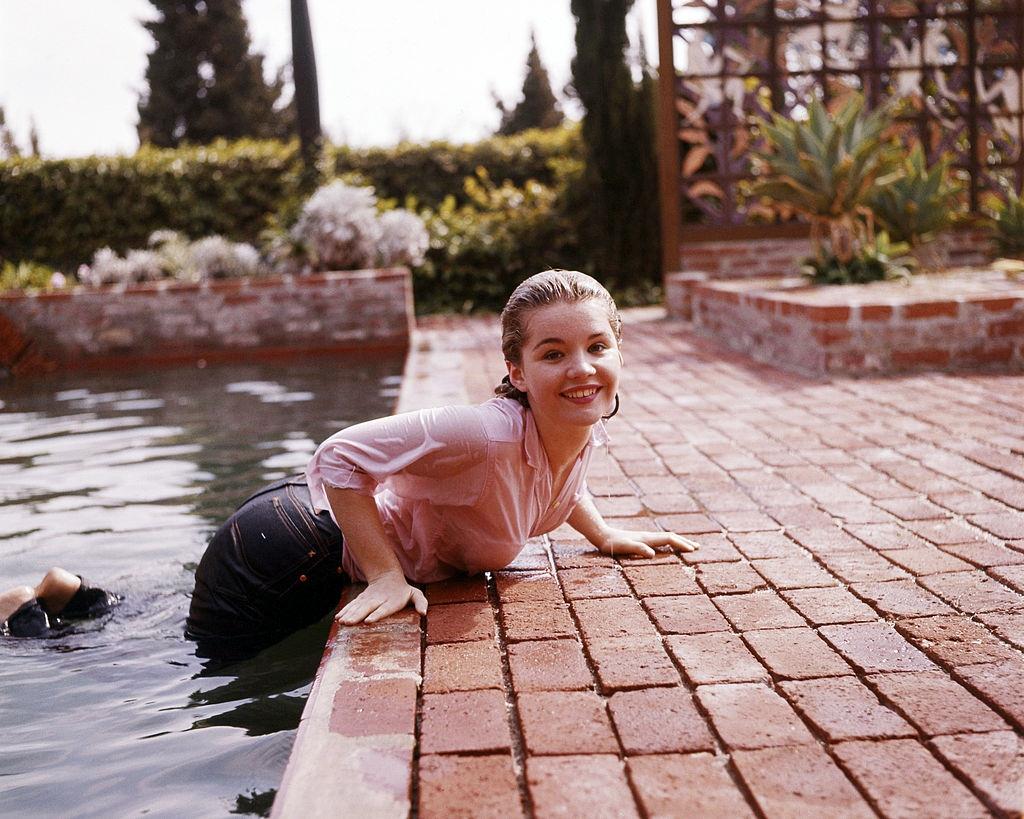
(562, 445)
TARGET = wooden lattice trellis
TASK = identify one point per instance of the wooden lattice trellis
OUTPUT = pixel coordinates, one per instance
(958, 64)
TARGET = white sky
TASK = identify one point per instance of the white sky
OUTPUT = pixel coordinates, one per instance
(387, 69)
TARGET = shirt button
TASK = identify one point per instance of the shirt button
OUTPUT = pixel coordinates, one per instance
(303, 578)
(312, 553)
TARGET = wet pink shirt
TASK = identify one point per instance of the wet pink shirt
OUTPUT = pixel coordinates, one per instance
(459, 489)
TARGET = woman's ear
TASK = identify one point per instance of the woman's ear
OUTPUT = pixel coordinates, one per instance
(515, 375)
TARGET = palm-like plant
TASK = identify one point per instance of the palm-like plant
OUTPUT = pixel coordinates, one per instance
(920, 204)
(827, 168)
(1008, 225)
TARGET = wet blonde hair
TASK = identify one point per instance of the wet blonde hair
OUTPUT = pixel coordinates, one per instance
(542, 290)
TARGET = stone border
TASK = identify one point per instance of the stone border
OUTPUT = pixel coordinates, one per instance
(967, 320)
(178, 322)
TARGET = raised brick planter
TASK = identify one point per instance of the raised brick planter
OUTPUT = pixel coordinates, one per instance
(963, 320)
(173, 321)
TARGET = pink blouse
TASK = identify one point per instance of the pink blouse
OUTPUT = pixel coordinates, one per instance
(459, 489)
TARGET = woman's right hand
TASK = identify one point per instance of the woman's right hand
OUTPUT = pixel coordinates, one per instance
(384, 595)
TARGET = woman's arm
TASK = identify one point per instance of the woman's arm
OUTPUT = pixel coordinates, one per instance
(368, 544)
(586, 520)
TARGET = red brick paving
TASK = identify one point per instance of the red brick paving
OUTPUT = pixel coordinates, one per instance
(847, 640)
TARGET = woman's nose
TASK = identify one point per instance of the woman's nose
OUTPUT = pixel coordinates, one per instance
(581, 365)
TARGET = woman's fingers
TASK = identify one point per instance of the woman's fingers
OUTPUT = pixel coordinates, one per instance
(371, 608)
(419, 601)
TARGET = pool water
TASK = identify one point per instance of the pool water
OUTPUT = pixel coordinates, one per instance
(123, 478)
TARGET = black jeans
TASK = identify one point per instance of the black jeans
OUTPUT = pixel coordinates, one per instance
(272, 568)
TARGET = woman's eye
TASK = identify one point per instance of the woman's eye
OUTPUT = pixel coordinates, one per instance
(600, 347)
(551, 355)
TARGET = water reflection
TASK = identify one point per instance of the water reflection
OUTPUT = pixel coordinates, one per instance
(123, 478)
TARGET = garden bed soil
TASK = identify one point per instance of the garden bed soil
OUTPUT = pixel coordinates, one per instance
(177, 322)
(961, 320)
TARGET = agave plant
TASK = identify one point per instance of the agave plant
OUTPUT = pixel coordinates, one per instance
(921, 203)
(827, 168)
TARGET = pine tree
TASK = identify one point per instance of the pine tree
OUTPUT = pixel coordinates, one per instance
(204, 79)
(33, 138)
(538, 108)
(619, 189)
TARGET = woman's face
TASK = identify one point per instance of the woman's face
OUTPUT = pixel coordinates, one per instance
(570, 363)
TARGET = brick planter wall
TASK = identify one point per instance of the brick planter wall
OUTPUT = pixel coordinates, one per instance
(173, 321)
(758, 258)
(965, 321)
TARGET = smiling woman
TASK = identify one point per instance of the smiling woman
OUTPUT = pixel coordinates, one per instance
(424, 496)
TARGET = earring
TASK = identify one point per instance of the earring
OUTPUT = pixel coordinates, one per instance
(614, 411)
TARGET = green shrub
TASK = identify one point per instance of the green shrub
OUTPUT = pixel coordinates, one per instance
(26, 276)
(1008, 223)
(433, 171)
(873, 261)
(480, 250)
(61, 211)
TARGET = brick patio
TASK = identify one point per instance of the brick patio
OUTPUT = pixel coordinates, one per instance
(848, 640)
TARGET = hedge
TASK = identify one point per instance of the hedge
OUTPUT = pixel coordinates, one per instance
(59, 212)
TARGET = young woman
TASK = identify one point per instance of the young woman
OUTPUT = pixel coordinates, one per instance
(423, 496)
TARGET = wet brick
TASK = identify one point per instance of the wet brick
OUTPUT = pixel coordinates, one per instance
(901, 598)
(994, 764)
(728, 578)
(631, 662)
(593, 581)
(844, 708)
(799, 781)
(599, 788)
(522, 587)
(457, 590)
(764, 545)
(751, 715)
(872, 647)
(954, 640)
(612, 617)
(984, 554)
(461, 666)
(565, 722)
(796, 653)
(548, 665)
(467, 787)
(999, 684)
(718, 657)
(460, 622)
(828, 606)
(862, 567)
(793, 573)
(920, 781)
(926, 560)
(689, 614)
(662, 580)
(536, 620)
(974, 592)
(761, 609)
(659, 720)
(464, 721)
(936, 704)
(692, 785)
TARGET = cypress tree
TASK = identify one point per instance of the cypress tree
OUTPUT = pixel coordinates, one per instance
(619, 188)
(8, 146)
(204, 81)
(538, 108)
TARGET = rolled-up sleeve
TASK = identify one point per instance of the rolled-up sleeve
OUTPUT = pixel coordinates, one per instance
(438, 455)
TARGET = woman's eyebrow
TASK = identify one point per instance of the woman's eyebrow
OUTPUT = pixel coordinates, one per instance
(553, 340)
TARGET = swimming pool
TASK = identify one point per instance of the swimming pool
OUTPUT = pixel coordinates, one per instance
(122, 478)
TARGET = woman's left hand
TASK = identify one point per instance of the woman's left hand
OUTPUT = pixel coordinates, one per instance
(641, 544)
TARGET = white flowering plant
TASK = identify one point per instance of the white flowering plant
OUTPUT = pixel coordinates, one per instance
(341, 227)
(171, 255)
